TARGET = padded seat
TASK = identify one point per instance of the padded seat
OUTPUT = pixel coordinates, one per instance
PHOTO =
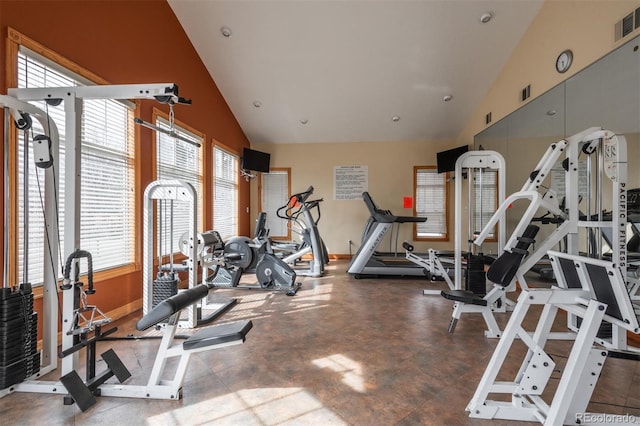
(464, 296)
(218, 335)
(501, 271)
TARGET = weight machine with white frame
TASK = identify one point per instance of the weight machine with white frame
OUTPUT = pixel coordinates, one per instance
(14, 108)
(72, 99)
(591, 289)
(190, 245)
(612, 160)
(471, 164)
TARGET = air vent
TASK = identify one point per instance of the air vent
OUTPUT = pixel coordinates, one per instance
(526, 93)
(627, 25)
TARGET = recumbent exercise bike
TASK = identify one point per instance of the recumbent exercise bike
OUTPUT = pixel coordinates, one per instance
(239, 255)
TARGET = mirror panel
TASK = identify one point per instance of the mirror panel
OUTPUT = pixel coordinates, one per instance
(607, 94)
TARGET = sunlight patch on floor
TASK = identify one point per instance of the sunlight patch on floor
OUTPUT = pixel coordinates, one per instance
(262, 406)
(352, 372)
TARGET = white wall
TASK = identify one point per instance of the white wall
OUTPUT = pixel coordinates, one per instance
(586, 27)
(390, 171)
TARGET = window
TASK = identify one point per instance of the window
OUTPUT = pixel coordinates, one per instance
(225, 192)
(485, 203)
(179, 160)
(275, 190)
(431, 200)
(107, 174)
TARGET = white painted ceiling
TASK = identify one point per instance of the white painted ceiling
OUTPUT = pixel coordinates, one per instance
(348, 67)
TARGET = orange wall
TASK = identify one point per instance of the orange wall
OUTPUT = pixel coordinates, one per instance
(131, 42)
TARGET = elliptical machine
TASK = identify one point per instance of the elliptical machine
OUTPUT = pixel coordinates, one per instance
(299, 213)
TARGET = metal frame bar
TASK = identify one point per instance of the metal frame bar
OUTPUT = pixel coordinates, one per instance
(13, 107)
(72, 98)
(169, 190)
(614, 152)
(584, 363)
(472, 160)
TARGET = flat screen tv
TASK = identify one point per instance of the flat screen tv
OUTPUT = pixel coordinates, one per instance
(255, 160)
(446, 160)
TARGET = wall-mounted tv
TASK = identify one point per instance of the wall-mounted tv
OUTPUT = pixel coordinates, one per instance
(447, 159)
(255, 160)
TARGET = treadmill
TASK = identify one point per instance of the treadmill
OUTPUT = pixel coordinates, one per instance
(367, 262)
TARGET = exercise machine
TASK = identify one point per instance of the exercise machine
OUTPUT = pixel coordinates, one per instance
(238, 256)
(611, 151)
(472, 166)
(163, 382)
(367, 261)
(502, 273)
(432, 264)
(16, 105)
(299, 213)
(165, 284)
(593, 290)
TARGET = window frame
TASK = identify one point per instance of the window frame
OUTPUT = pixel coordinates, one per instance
(219, 146)
(15, 42)
(431, 169)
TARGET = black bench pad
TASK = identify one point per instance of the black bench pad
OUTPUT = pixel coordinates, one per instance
(172, 305)
(217, 335)
(464, 296)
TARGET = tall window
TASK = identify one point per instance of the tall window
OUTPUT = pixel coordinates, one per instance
(177, 160)
(275, 190)
(225, 192)
(107, 174)
(485, 203)
(431, 200)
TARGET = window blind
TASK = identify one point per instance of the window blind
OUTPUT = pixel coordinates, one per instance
(176, 159)
(485, 199)
(107, 175)
(431, 202)
(225, 192)
(275, 194)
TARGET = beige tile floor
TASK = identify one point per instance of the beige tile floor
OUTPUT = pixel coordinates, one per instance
(341, 352)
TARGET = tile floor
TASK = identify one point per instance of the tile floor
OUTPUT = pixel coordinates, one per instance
(341, 352)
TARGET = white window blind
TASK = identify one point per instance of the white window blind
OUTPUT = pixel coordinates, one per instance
(176, 159)
(225, 192)
(485, 203)
(107, 175)
(275, 194)
(431, 202)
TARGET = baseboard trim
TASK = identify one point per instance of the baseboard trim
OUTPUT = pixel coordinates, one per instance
(340, 256)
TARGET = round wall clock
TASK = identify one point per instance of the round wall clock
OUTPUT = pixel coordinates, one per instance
(563, 63)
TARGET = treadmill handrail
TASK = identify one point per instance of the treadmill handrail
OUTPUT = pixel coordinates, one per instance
(385, 216)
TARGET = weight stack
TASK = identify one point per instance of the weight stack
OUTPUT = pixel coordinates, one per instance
(476, 278)
(164, 287)
(19, 356)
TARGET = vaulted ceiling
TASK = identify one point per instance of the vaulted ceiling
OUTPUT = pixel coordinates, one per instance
(353, 71)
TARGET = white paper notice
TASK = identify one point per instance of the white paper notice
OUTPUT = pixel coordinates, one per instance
(349, 182)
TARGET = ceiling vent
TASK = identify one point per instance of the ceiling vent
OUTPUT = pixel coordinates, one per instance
(627, 25)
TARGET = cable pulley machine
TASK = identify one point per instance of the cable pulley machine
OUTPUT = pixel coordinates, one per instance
(83, 318)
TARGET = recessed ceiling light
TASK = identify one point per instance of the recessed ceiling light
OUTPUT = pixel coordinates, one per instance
(257, 104)
(226, 31)
(447, 98)
(486, 17)
(395, 118)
